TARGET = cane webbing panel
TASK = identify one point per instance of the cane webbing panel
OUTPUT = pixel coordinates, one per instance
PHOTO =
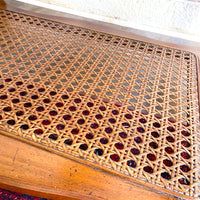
(126, 105)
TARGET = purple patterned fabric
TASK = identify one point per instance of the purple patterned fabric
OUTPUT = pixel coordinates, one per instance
(9, 195)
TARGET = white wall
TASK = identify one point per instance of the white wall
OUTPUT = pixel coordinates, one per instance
(179, 18)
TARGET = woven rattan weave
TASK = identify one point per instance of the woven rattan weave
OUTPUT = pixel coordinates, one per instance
(126, 105)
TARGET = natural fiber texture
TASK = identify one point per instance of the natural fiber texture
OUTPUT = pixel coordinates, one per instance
(126, 105)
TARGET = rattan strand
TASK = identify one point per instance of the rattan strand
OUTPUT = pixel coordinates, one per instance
(126, 105)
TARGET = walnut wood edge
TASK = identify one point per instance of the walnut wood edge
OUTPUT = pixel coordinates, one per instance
(9, 184)
(135, 182)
